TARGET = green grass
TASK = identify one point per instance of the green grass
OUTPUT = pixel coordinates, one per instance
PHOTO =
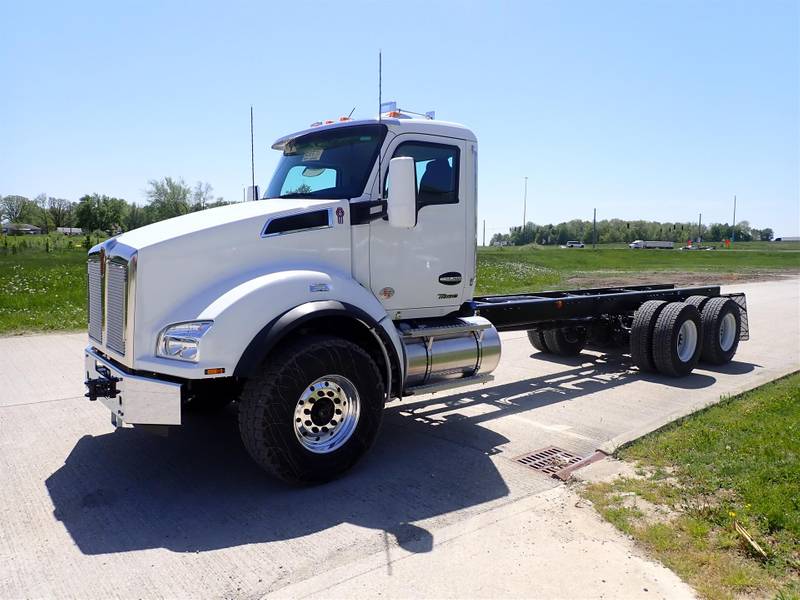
(42, 291)
(42, 286)
(738, 461)
(517, 269)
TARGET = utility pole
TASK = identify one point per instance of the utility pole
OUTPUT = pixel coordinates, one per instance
(525, 205)
(484, 232)
(700, 229)
(594, 229)
(733, 225)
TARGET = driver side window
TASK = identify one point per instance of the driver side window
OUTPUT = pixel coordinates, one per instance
(436, 166)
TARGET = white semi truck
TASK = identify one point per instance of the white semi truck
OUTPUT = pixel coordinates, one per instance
(351, 283)
(651, 244)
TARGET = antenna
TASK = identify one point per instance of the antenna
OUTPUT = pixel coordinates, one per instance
(380, 85)
(351, 112)
(252, 152)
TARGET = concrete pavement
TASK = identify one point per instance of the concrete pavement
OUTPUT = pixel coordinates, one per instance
(438, 509)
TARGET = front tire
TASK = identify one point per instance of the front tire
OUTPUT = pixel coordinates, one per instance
(313, 411)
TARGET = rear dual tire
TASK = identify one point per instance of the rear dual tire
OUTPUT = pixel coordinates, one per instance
(536, 338)
(677, 339)
(722, 324)
(642, 331)
(561, 341)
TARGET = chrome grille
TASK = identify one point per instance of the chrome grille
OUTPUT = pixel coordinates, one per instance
(108, 300)
(116, 300)
(95, 299)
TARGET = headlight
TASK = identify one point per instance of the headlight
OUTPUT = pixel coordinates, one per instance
(182, 340)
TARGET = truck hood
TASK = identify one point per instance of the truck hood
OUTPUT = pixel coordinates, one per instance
(180, 266)
(257, 212)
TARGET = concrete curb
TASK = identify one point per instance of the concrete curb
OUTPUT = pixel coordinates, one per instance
(615, 443)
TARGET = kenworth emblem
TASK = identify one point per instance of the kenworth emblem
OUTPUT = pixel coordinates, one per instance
(340, 215)
(451, 278)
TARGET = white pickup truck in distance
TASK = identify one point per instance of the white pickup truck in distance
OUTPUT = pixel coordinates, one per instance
(351, 283)
(652, 244)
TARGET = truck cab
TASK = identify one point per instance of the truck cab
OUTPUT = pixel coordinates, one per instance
(349, 284)
(366, 234)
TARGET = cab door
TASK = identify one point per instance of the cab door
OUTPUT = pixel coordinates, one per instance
(422, 271)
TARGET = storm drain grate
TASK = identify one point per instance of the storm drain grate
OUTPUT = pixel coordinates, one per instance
(548, 460)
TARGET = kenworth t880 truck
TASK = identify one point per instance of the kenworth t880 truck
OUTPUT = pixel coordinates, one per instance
(349, 284)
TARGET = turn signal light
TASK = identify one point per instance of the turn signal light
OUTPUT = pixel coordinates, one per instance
(393, 113)
(217, 371)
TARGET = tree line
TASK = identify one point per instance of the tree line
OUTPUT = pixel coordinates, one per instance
(167, 198)
(621, 231)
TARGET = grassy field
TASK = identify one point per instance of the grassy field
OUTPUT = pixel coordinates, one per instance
(42, 285)
(517, 269)
(735, 463)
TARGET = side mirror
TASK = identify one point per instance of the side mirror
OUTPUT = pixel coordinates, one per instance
(402, 201)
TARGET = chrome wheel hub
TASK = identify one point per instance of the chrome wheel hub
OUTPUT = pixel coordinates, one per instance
(727, 332)
(326, 414)
(687, 341)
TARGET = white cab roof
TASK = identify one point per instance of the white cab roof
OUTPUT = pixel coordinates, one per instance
(396, 126)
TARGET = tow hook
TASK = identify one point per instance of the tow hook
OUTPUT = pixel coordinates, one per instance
(103, 387)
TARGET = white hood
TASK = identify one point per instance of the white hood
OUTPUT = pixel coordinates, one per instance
(193, 223)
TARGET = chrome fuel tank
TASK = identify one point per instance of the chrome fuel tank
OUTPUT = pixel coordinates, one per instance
(449, 349)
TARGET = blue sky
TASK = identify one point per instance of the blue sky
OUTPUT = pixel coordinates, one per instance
(643, 109)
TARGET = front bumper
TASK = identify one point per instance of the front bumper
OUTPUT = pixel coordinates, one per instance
(132, 399)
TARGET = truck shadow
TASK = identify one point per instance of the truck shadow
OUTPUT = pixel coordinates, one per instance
(197, 490)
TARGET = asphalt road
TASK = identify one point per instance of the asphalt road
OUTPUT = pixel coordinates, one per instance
(439, 508)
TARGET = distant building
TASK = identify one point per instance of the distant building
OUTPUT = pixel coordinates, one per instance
(21, 229)
(70, 230)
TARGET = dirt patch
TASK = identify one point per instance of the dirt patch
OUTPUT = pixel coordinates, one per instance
(598, 279)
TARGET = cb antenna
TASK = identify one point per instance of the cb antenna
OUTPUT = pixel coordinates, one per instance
(380, 83)
(252, 154)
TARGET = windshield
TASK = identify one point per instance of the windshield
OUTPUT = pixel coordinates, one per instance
(333, 163)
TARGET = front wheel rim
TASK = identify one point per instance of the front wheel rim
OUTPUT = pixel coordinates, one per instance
(687, 341)
(326, 414)
(727, 332)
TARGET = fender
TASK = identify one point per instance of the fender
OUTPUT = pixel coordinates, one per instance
(242, 311)
(266, 339)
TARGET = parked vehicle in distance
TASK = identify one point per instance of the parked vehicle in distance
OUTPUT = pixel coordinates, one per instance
(338, 292)
(697, 247)
(651, 244)
(574, 244)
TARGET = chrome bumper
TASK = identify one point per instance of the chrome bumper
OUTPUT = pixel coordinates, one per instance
(131, 399)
